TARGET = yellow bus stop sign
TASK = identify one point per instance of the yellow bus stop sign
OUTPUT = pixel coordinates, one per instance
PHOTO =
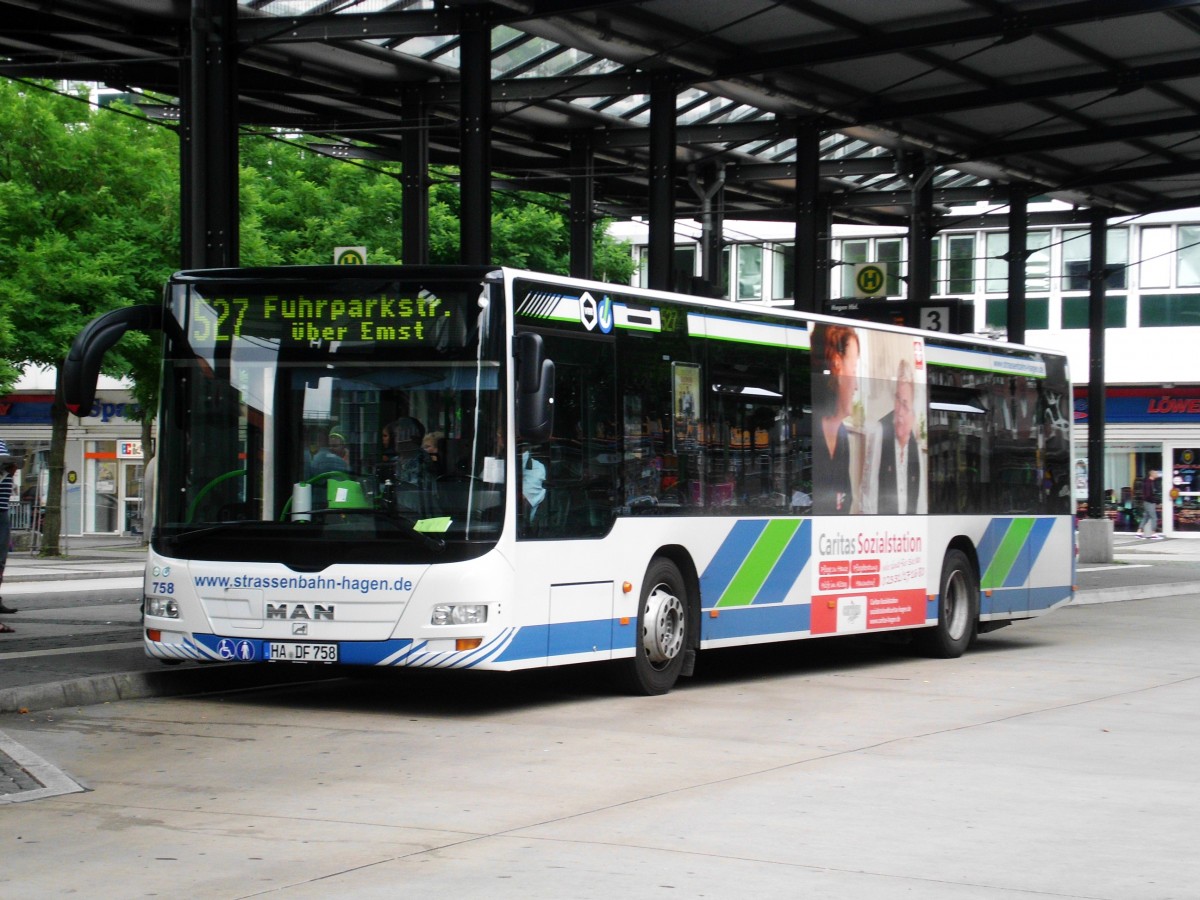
(870, 280)
(350, 256)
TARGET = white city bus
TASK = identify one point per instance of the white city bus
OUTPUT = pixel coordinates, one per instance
(483, 468)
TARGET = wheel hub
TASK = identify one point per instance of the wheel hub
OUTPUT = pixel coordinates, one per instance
(663, 626)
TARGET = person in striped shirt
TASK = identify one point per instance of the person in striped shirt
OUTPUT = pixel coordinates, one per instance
(7, 470)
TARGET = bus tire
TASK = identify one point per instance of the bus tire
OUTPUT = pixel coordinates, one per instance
(958, 609)
(661, 645)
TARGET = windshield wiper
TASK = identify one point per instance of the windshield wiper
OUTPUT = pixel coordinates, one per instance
(213, 529)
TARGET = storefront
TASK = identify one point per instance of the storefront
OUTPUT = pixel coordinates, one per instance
(1145, 428)
(103, 466)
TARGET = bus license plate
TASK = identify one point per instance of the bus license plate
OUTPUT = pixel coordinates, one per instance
(303, 652)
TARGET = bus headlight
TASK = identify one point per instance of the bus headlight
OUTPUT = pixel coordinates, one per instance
(162, 606)
(459, 614)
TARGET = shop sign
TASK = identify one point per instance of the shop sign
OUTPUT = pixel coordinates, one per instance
(129, 449)
(1145, 405)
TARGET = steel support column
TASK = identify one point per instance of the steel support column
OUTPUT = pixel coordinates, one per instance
(811, 222)
(712, 226)
(582, 201)
(208, 139)
(414, 183)
(1018, 255)
(661, 244)
(1097, 276)
(475, 204)
(920, 238)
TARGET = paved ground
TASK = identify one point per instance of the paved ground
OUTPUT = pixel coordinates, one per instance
(78, 637)
(1056, 760)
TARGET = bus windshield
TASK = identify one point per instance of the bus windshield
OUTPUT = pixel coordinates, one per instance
(347, 419)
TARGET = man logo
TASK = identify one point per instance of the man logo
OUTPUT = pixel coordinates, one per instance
(588, 313)
(299, 611)
(300, 628)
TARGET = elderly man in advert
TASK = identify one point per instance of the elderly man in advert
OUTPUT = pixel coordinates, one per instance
(893, 476)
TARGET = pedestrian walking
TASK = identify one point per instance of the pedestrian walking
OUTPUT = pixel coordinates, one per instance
(8, 469)
(1150, 507)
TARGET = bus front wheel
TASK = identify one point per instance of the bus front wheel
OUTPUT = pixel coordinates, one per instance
(662, 632)
(958, 609)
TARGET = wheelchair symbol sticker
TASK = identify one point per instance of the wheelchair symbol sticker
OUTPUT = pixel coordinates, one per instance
(243, 651)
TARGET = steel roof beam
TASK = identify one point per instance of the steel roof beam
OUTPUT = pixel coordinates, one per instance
(270, 29)
(1122, 81)
(1086, 137)
(1010, 25)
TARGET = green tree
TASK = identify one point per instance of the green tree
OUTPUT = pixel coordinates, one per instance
(88, 222)
(298, 205)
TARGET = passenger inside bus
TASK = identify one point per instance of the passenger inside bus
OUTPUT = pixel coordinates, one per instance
(406, 470)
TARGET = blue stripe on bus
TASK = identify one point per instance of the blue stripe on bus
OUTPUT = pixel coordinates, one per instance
(1046, 597)
(747, 621)
(720, 571)
(530, 642)
(1034, 541)
(787, 569)
(1037, 599)
(990, 543)
(367, 653)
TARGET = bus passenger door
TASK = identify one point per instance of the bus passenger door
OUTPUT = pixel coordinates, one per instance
(567, 484)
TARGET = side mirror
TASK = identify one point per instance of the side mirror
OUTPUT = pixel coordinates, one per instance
(535, 389)
(81, 368)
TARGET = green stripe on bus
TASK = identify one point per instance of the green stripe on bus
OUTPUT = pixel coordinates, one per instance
(1007, 553)
(758, 563)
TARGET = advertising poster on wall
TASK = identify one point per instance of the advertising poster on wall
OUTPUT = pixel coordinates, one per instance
(870, 462)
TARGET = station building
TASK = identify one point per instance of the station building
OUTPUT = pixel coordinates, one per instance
(103, 468)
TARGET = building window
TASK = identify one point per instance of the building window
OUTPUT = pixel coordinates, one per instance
(749, 272)
(1077, 258)
(783, 271)
(1169, 310)
(1189, 256)
(1037, 265)
(853, 252)
(1154, 266)
(888, 252)
(1075, 311)
(1037, 313)
(684, 267)
(961, 264)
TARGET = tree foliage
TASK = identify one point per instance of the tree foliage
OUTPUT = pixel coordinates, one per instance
(89, 222)
(298, 205)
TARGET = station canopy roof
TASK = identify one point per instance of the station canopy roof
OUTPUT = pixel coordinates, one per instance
(1093, 102)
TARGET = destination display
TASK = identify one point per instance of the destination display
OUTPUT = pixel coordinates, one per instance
(388, 315)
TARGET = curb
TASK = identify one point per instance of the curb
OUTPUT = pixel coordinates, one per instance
(115, 686)
(73, 576)
(1135, 592)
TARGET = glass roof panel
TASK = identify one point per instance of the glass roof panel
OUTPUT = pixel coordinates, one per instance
(518, 54)
(600, 67)
(567, 59)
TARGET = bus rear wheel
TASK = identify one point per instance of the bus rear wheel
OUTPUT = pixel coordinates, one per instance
(958, 609)
(662, 632)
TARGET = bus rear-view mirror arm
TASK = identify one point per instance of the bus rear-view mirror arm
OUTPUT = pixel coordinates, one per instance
(81, 368)
(535, 389)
